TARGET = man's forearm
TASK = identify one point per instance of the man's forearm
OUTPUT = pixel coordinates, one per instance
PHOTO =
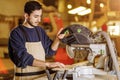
(55, 44)
(39, 63)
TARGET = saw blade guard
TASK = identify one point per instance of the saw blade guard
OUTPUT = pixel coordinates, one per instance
(76, 34)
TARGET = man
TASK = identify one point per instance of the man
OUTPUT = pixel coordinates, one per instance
(29, 44)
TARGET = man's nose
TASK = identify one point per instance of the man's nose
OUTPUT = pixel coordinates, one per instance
(39, 19)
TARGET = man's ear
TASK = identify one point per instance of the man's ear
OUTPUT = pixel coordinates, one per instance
(26, 16)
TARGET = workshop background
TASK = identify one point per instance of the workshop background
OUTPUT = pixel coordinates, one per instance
(97, 15)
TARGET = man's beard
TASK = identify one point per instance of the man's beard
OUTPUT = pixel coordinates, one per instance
(30, 23)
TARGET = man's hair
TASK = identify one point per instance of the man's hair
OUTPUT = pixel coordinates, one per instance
(31, 6)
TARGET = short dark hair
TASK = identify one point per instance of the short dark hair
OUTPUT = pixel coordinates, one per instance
(31, 6)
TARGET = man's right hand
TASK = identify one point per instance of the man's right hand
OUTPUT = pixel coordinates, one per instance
(54, 65)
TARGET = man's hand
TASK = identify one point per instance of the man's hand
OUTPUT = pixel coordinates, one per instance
(54, 65)
(40, 63)
(57, 40)
(60, 36)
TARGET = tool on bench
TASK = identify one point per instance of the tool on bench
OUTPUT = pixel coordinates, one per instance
(80, 38)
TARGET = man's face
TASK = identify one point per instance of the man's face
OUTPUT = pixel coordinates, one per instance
(34, 18)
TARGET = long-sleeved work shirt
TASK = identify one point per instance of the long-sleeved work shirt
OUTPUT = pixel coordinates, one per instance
(17, 50)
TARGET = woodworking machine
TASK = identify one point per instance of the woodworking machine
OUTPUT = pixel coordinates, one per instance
(95, 48)
(81, 43)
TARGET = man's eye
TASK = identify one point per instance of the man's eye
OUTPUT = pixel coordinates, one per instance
(35, 17)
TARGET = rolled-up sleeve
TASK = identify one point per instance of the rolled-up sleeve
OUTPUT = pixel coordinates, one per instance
(17, 50)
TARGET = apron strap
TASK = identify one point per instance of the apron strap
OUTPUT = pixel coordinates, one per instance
(24, 33)
(34, 73)
(38, 34)
(30, 73)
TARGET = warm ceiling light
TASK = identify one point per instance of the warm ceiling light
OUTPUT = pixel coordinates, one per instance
(88, 1)
(101, 5)
(87, 11)
(76, 10)
(69, 6)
